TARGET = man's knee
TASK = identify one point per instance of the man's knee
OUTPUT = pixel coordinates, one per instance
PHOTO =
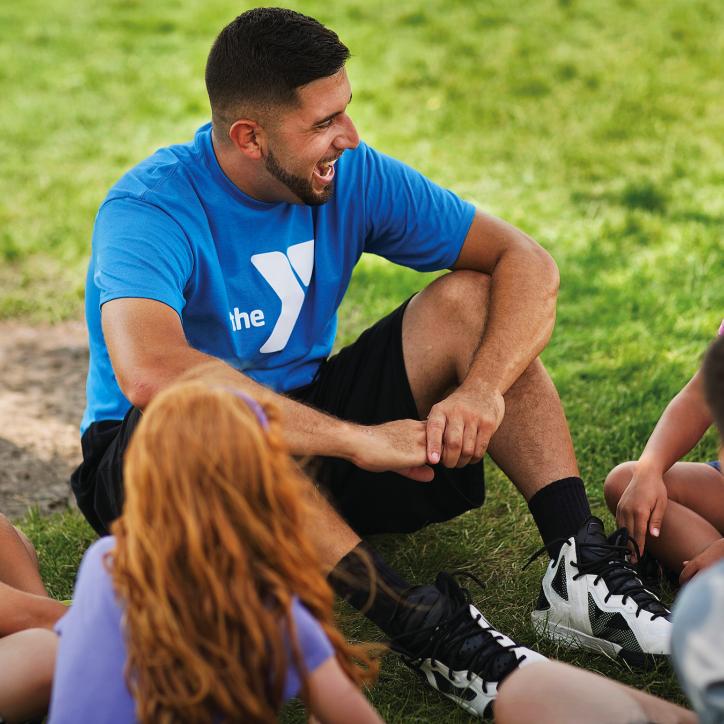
(616, 482)
(464, 288)
(462, 297)
(441, 330)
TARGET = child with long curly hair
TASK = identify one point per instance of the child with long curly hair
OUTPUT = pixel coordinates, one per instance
(208, 603)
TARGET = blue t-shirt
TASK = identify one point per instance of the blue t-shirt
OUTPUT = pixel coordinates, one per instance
(89, 682)
(255, 284)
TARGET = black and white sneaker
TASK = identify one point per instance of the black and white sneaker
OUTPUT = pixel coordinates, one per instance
(592, 598)
(453, 647)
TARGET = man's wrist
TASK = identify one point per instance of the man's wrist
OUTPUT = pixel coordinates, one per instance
(481, 387)
(344, 441)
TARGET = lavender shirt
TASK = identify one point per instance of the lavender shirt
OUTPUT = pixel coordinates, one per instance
(89, 683)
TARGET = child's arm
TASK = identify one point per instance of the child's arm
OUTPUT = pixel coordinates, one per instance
(27, 659)
(18, 560)
(24, 602)
(334, 699)
(20, 610)
(680, 427)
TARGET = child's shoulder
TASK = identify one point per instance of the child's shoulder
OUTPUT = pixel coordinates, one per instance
(93, 569)
(93, 597)
(97, 551)
(102, 545)
(310, 634)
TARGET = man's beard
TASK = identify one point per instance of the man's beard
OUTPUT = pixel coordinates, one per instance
(300, 187)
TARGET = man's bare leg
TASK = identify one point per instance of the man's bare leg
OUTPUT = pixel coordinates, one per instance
(442, 329)
(532, 445)
(329, 532)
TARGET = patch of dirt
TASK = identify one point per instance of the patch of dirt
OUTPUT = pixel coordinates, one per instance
(42, 396)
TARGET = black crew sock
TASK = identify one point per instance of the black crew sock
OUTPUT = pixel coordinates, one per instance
(559, 511)
(363, 571)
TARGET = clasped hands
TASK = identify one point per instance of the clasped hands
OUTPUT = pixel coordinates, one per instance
(456, 433)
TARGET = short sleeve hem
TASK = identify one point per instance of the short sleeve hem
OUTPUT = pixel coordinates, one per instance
(175, 302)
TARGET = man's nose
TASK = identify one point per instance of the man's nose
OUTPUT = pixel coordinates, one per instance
(348, 138)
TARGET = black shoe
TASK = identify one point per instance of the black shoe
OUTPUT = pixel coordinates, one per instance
(449, 642)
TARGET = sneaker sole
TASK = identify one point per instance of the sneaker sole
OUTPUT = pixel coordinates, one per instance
(426, 673)
(562, 634)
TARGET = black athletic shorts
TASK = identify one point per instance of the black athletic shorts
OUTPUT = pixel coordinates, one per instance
(365, 382)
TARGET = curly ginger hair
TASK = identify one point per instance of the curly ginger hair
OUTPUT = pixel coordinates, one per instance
(210, 552)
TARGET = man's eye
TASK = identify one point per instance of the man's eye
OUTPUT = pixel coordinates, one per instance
(325, 124)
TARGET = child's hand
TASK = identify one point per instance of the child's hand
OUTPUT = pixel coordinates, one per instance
(709, 556)
(642, 506)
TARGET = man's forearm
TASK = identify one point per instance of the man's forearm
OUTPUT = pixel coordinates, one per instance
(520, 321)
(398, 445)
(149, 351)
(306, 430)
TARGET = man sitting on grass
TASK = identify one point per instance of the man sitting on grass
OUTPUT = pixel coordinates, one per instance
(239, 246)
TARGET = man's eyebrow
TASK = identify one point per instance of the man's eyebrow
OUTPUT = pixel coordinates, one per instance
(324, 120)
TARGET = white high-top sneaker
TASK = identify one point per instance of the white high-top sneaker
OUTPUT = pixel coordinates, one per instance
(591, 597)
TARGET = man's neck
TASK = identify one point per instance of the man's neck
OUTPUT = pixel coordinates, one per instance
(249, 176)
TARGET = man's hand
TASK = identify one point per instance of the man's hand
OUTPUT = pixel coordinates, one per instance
(642, 506)
(398, 446)
(459, 427)
(710, 555)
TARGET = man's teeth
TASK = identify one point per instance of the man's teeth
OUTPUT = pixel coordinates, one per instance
(325, 166)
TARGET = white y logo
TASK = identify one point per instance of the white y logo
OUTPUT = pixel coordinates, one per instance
(278, 270)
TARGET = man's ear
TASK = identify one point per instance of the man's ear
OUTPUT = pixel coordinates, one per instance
(247, 137)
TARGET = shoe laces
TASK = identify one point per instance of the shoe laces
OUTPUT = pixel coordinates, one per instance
(609, 561)
(445, 640)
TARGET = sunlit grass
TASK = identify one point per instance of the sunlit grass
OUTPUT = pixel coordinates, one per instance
(594, 126)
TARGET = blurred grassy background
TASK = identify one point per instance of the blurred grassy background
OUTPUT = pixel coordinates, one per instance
(595, 126)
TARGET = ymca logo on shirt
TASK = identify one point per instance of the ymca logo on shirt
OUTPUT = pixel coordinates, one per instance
(288, 275)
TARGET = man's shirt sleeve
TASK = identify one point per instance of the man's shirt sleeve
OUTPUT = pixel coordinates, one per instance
(411, 220)
(140, 251)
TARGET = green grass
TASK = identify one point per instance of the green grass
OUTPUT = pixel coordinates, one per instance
(594, 126)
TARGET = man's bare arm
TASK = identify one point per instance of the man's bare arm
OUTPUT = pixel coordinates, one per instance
(522, 308)
(148, 351)
(520, 320)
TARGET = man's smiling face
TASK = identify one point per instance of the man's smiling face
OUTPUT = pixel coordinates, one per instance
(308, 139)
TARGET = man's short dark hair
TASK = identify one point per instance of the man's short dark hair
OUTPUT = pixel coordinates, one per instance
(714, 382)
(262, 57)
